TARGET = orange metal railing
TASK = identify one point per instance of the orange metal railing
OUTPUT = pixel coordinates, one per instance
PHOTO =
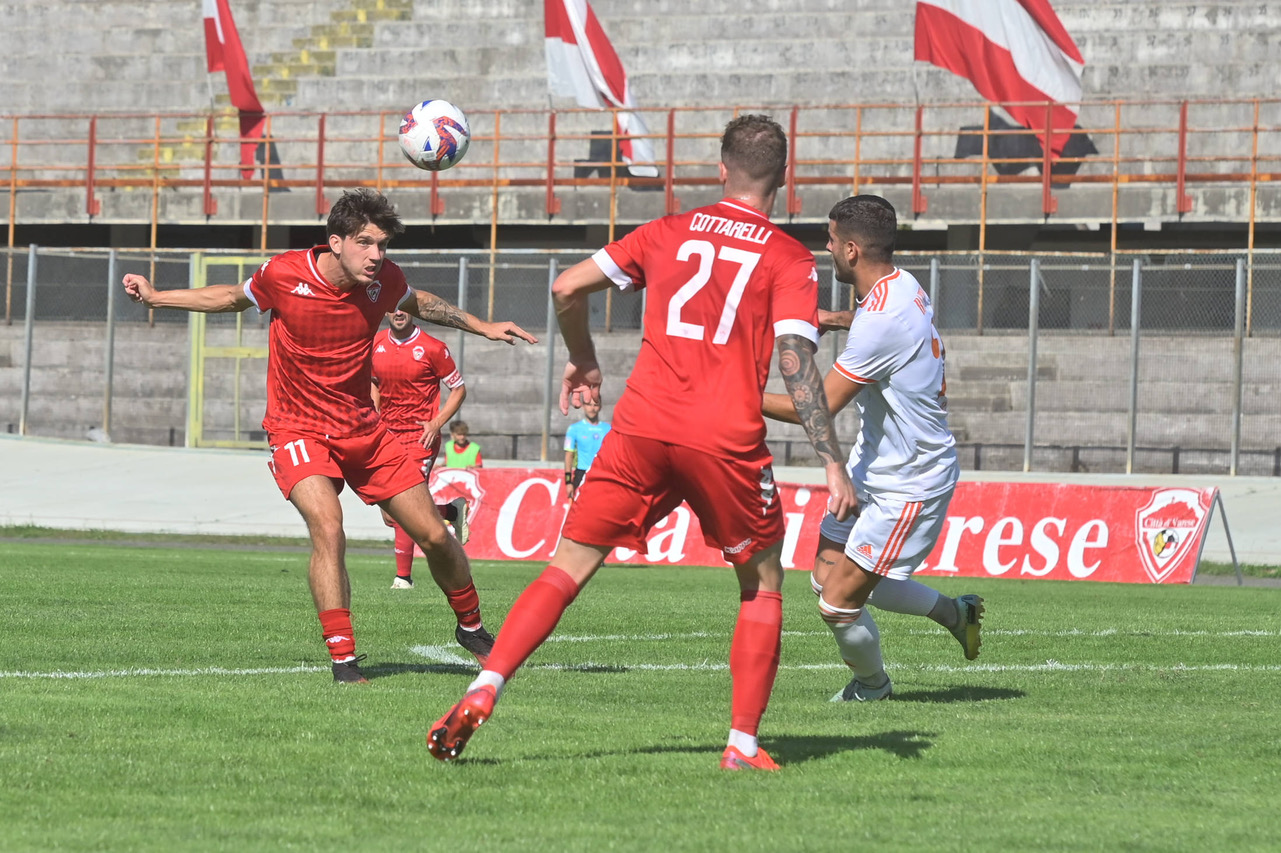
(1166, 146)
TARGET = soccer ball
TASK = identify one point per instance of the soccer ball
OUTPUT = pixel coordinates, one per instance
(434, 135)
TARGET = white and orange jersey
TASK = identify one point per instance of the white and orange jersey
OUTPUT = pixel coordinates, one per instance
(905, 448)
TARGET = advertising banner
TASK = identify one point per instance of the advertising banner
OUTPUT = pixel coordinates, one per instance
(1073, 532)
(1013, 530)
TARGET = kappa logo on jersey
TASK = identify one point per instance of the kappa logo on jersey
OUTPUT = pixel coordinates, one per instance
(1166, 528)
(864, 551)
(381, 348)
(303, 289)
(373, 290)
(813, 273)
(418, 353)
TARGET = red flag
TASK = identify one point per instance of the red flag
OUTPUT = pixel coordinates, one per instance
(224, 52)
(1011, 50)
(582, 64)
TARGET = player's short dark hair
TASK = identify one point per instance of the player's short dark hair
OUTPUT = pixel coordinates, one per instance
(459, 426)
(756, 146)
(360, 207)
(869, 221)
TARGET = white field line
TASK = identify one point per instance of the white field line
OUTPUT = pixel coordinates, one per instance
(442, 654)
(128, 673)
(987, 632)
(452, 661)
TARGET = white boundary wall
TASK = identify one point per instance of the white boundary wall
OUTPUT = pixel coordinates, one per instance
(142, 489)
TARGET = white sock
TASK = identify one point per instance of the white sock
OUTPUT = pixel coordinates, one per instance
(858, 640)
(743, 742)
(488, 678)
(905, 596)
(815, 585)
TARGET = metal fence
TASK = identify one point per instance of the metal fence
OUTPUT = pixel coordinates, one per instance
(1128, 362)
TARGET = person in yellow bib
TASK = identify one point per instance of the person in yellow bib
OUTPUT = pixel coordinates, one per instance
(462, 452)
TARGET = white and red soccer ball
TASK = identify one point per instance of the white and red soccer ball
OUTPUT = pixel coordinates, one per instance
(434, 135)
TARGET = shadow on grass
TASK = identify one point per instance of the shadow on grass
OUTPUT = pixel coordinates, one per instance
(386, 670)
(958, 694)
(797, 750)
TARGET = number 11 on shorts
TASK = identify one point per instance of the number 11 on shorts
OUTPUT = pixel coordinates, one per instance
(297, 451)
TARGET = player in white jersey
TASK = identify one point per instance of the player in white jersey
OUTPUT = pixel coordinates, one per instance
(903, 465)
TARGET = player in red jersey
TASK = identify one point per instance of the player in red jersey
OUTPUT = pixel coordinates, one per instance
(725, 288)
(326, 304)
(409, 368)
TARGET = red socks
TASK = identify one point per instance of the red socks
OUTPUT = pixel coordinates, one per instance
(466, 605)
(532, 619)
(336, 627)
(404, 553)
(753, 657)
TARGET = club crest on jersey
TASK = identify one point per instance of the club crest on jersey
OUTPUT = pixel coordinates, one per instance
(419, 352)
(372, 291)
(1166, 528)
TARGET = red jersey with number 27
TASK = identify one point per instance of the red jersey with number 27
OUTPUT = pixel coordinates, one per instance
(721, 282)
(409, 374)
(319, 344)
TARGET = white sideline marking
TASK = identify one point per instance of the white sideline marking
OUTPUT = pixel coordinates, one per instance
(441, 655)
(446, 655)
(1048, 666)
(633, 638)
(209, 670)
(987, 632)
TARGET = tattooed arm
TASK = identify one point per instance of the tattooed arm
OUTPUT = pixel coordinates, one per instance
(433, 309)
(810, 407)
(839, 390)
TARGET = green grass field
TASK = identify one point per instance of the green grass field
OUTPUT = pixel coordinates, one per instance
(153, 698)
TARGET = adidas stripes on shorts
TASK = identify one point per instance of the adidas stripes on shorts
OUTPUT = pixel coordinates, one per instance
(890, 537)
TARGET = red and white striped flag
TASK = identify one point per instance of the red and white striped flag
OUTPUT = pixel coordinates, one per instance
(1011, 50)
(582, 64)
(224, 52)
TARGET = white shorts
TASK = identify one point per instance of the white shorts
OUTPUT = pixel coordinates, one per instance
(890, 537)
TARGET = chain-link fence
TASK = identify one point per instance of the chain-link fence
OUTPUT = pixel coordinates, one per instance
(1047, 369)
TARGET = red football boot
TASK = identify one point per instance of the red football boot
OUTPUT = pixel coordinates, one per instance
(732, 759)
(446, 739)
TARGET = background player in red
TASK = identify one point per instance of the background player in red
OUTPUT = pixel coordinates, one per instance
(326, 304)
(724, 288)
(409, 368)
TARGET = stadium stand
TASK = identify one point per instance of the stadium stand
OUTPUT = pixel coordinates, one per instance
(61, 57)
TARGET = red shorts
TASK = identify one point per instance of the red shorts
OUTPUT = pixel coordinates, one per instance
(375, 465)
(635, 482)
(423, 457)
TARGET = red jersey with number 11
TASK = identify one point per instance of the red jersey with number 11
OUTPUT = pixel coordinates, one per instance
(319, 344)
(721, 282)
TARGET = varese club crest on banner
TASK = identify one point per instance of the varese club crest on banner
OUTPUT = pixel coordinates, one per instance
(1166, 529)
(450, 483)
